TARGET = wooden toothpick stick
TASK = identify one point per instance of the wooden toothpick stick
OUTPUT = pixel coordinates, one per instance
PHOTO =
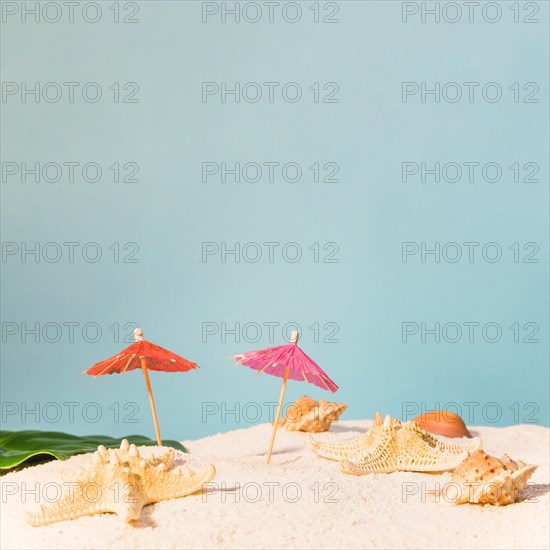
(276, 421)
(293, 340)
(151, 400)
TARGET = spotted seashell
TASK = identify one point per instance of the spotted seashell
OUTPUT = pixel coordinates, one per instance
(485, 479)
(308, 415)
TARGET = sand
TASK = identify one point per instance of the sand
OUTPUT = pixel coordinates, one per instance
(299, 501)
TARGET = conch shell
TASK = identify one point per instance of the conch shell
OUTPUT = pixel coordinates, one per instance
(485, 479)
(308, 415)
(445, 423)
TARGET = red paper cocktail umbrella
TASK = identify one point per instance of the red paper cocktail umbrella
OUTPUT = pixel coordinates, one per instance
(145, 355)
(287, 361)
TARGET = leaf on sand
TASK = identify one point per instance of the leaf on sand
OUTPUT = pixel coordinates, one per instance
(35, 445)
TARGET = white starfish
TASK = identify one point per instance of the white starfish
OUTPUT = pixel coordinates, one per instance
(121, 481)
(392, 446)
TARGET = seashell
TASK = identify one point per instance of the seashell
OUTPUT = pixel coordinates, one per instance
(485, 479)
(308, 415)
(443, 423)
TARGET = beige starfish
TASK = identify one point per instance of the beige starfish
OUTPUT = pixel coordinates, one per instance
(351, 449)
(409, 448)
(391, 446)
(121, 481)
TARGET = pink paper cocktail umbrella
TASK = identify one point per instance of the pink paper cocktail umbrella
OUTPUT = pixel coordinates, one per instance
(287, 361)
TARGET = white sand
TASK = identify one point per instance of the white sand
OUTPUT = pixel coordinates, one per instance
(333, 510)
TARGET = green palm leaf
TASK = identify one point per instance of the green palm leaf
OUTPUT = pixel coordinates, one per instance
(31, 446)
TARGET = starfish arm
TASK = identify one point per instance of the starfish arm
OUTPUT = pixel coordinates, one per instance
(165, 485)
(450, 448)
(69, 507)
(418, 454)
(382, 459)
(348, 449)
(356, 448)
(454, 448)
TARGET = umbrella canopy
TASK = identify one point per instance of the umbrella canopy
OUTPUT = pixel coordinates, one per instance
(143, 355)
(287, 361)
(276, 360)
(157, 358)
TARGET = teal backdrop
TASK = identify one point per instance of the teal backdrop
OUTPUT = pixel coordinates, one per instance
(398, 328)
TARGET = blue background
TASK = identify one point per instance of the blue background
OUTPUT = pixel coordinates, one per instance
(369, 213)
